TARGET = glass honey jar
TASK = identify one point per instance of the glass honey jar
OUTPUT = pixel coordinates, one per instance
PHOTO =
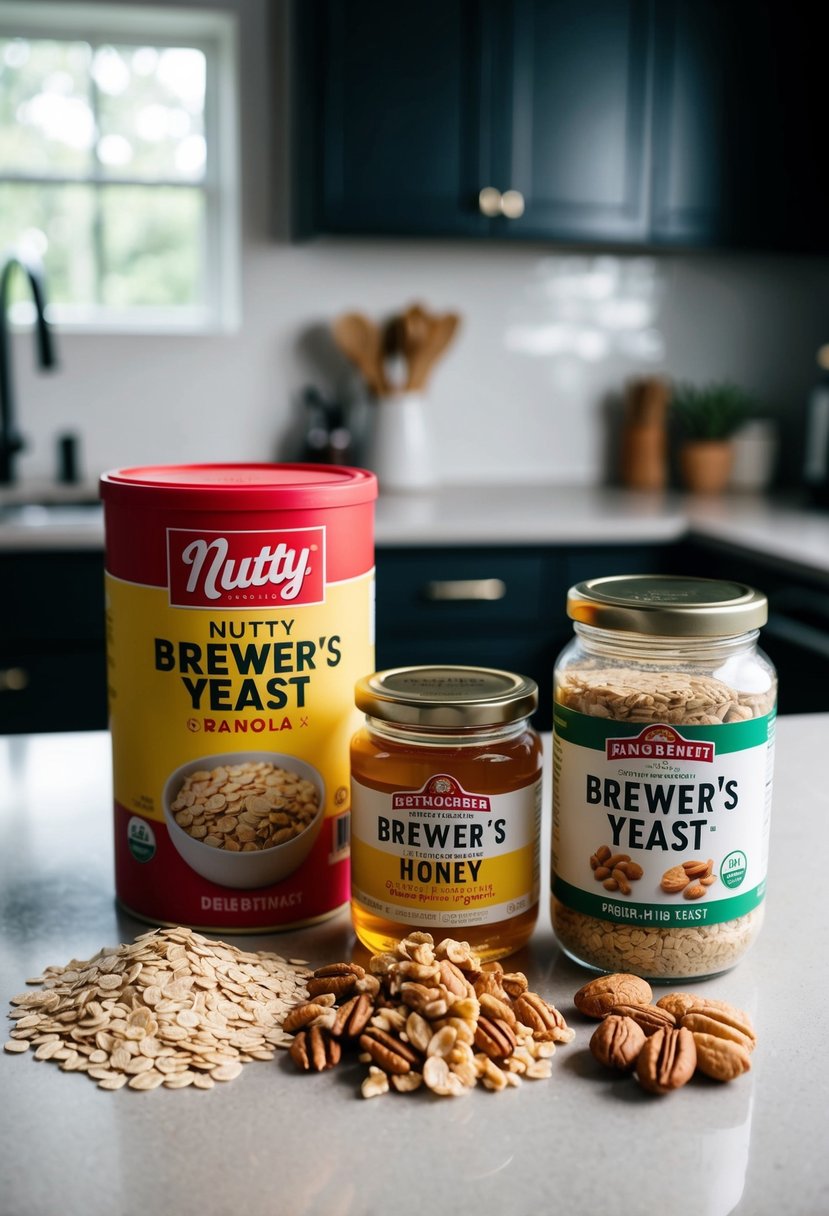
(446, 808)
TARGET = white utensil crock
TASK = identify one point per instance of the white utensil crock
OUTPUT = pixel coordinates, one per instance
(400, 449)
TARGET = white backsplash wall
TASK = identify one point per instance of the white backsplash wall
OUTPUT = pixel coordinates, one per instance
(548, 337)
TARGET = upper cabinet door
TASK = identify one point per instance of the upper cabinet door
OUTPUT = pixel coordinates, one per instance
(662, 122)
(693, 66)
(403, 139)
(574, 86)
(740, 114)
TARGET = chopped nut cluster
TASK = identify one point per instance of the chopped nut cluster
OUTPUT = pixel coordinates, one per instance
(172, 1008)
(666, 1043)
(427, 1016)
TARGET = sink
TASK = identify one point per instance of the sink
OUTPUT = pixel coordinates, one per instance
(50, 514)
(42, 514)
(43, 493)
(44, 504)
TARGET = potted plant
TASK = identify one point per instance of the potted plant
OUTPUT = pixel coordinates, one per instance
(708, 416)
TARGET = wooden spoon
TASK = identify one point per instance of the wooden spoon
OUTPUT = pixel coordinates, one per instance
(440, 332)
(361, 341)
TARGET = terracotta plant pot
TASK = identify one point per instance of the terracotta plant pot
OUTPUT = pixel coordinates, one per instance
(705, 464)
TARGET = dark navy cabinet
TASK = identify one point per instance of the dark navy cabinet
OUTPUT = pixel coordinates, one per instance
(739, 107)
(400, 141)
(674, 123)
(416, 109)
(52, 649)
(491, 605)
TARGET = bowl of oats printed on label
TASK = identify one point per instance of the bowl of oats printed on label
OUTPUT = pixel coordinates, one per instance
(244, 819)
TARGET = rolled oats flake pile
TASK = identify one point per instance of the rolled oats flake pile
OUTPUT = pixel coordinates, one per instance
(171, 1009)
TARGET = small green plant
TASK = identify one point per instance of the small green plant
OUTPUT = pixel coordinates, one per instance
(712, 411)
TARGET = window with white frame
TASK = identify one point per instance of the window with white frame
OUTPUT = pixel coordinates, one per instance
(118, 161)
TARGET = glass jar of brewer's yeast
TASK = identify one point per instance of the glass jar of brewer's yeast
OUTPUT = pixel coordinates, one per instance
(446, 808)
(662, 766)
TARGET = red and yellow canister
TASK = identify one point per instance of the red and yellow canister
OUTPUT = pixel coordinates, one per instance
(239, 603)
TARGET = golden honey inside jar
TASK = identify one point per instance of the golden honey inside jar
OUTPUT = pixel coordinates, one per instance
(446, 808)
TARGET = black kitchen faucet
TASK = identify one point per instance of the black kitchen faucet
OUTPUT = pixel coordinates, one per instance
(11, 441)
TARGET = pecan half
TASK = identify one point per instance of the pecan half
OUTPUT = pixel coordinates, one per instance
(721, 1059)
(649, 1017)
(544, 1020)
(598, 997)
(495, 1007)
(495, 1038)
(677, 1003)
(617, 1041)
(352, 1018)
(340, 969)
(453, 979)
(306, 1014)
(721, 1024)
(338, 985)
(667, 1060)
(313, 1050)
(387, 1051)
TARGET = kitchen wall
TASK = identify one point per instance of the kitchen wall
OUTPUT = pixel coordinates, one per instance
(548, 340)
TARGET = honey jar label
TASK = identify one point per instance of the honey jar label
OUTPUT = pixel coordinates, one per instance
(442, 856)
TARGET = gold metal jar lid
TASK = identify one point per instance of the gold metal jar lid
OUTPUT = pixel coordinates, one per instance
(447, 696)
(668, 605)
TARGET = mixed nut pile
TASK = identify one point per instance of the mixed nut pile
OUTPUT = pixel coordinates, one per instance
(427, 1015)
(176, 1009)
(665, 1043)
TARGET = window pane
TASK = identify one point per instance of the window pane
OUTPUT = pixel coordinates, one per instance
(153, 238)
(46, 120)
(151, 111)
(57, 223)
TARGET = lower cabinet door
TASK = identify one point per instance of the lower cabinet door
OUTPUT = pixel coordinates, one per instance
(54, 688)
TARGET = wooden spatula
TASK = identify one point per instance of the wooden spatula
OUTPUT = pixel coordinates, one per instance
(361, 341)
(439, 333)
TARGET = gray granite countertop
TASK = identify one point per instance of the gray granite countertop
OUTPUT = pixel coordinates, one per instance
(773, 528)
(275, 1143)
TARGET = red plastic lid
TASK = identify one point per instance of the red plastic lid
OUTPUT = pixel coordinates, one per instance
(239, 487)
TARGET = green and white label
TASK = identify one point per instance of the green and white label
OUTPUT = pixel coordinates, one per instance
(141, 839)
(663, 797)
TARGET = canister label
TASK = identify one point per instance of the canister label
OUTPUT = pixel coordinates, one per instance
(442, 856)
(660, 825)
(231, 708)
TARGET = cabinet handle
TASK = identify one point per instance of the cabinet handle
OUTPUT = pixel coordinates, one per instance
(512, 204)
(13, 679)
(492, 202)
(477, 589)
(489, 201)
